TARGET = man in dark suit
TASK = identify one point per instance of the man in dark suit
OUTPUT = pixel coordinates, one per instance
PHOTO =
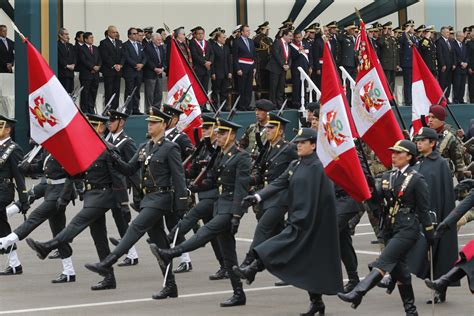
(470, 52)
(279, 64)
(153, 71)
(66, 60)
(78, 43)
(202, 55)
(445, 56)
(135, 60)
(407, 40)
(221, 69)
(461, 60)
(110, 49)
(7, 51)
(89, 73)
(300, 57)
(244, 54)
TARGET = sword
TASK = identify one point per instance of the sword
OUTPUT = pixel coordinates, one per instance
(169, 264)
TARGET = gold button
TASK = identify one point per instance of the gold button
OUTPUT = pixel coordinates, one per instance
(144, 178)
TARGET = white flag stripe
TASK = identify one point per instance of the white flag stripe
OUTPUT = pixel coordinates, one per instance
(363, 118)
(336, 126)
(183, 83)
(421, 103)
(56, 106)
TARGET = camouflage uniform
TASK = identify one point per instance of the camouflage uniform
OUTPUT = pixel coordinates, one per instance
(248, 141)
(451, 148)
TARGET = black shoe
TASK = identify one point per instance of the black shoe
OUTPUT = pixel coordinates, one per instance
(408, 299)
(221, 274)
(316, 305)
(114, 241)
(355, 296)
(237, 299)
(387, 283)
(281, 283)
(441, 285)
(248, 273)
(42, 249)
(353, 281)
(439, 297)
(183, 267)
(108, 283)
(55, 255)
(165, 256)
(170, 290)
(249, 257)
(12, 270)
(104, 268)
(63, 278)
(127, 262)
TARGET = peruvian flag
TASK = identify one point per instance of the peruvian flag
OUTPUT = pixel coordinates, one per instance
(425, 91)
(371, 110)
(55, 122)
(335, 144)
(181, 78)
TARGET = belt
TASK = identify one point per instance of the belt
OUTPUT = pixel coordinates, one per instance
(97, 186)
(56, 181)
(157, 189)
(5, 180)
(226, 188)
(248, 61)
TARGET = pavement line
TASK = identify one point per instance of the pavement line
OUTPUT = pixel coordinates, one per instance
(465, 235)
(364, 252)
(52, 308)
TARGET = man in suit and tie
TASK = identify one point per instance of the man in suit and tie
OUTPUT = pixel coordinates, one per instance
(78, 43)
(202, 55)
(153, 71)
(66, 60)
(407, 40)
(279, 64)
(221, 68)
(244, 54)
(461, 59)
(135, 60)
(300, 57)
(7, 51)
(110, 49)
(445, 57)
(89, 73)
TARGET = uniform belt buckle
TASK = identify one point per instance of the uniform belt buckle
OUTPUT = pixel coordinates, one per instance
(48, 181)
(220, 189)
(144, 191)
(88, 187)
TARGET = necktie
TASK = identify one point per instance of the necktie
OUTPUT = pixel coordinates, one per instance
(5, 42)
(135, 45)
(449, 45)
(246, 41)
(158, 53)
(90, 49)
(113, 42)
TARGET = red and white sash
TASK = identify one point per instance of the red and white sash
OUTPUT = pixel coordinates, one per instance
(303, 52)
(203, 47)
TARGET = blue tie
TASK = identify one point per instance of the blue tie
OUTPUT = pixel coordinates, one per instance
(157, 49)
(246, 41)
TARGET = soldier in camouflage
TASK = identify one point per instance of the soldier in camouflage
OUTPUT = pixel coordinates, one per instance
(390, 60)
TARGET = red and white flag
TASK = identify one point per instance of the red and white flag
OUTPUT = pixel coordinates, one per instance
(371, 110)
(55, 122)
(335, 144)
(425, 91)
(180, 78)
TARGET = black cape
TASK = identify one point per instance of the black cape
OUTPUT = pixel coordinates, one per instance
(436, 171)
(306, 253)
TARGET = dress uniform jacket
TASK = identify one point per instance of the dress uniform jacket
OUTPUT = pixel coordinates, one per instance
(185, 145)
(428, 52)
(348, 56)
(389, 58)
(10, 155)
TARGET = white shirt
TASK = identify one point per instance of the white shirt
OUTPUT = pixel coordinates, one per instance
(4, 141)
(115, 135)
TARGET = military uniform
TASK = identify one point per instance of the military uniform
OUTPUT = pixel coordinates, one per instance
(348, 58)
(427, 49)
(263, 45)
(451, 149)
(389, 58)
(406, 41)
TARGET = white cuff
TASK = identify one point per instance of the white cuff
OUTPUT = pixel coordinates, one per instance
(258, 197)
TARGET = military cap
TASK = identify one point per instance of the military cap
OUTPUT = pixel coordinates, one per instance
(398, 29)
(306, 134)
(426, 132)
(217, 29)
(148, 29)
(208, 120)
(227, 125)
(331, 24)
(420, 28)
(264, 24)
(287, 22)
(197, 28)
(8, 120)
(116, 115)
(238, 28)
(179, 30)
(466, 29)
(171, 111)
(312, 28)
(351, 26)
(370, 27)
(404, 146)
(275, 120)
(430, 28)
(156, 115)
(313, 106)
(409, 23)
(96, 118)
(264, 105)
(387, 25)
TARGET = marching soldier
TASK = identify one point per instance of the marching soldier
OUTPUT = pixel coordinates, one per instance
(263, 45)
(311, 229)
(162, 181)
(127, 148)
(230, 174)
(10, 155)
(407, 40)
(58, 192)
(389, 58)
(105, 189)
(427, 49)
(406, 196)
(253, 136)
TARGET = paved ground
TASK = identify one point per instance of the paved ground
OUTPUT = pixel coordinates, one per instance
(32, 292)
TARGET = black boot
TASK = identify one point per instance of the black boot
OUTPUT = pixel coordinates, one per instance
(42, 249)
(387, 283)
(170, 290)
(114, 241)
(104, 268)
(408, 299)
(441, 285)
(249, 257)
(219, 275)
(248, 273)
(316, 305)
(108, 283)
(235, 300)
(355, 296)
(353, 281)
(165, 256)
